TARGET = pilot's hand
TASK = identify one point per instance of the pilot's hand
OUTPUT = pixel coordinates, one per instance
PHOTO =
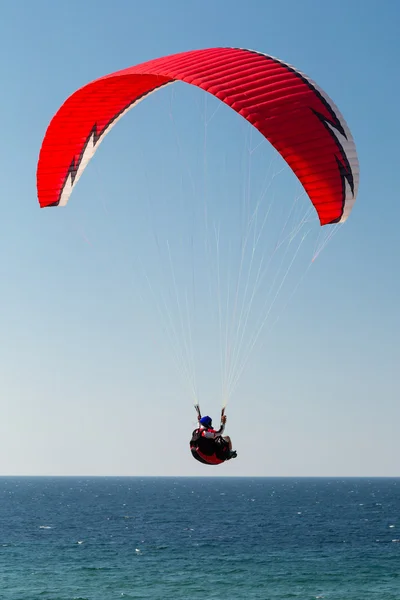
(223, 419)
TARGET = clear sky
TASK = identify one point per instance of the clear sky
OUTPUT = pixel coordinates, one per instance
(87, 380)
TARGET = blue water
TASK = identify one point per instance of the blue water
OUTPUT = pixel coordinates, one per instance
(267, 539)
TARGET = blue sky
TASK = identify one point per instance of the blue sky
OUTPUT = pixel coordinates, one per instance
(87, 378)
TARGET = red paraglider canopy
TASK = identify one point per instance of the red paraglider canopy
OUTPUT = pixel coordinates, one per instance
(296, 116)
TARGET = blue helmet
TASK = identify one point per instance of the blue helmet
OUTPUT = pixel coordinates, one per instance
(206, 421)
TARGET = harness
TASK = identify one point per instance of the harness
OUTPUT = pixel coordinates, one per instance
(207, 451)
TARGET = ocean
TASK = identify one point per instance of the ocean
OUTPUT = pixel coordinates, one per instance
(108, 538)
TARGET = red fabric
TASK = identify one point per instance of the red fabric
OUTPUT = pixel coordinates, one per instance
(281, 103)
(211, 460)
(210, 429)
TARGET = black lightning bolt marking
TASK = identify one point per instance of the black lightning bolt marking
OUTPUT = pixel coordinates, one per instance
(345, 171)
(95, 135)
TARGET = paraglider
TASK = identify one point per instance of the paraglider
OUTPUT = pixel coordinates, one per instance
(286, 107)
(207, 445)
